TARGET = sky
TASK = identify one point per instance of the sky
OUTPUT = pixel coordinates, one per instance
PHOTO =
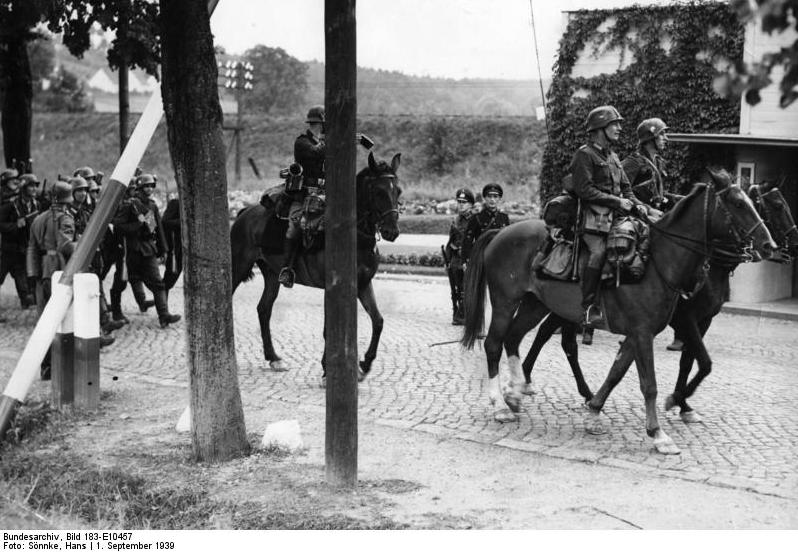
(439, 38)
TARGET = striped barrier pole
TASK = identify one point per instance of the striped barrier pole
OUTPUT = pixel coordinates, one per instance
(62, 359)
(28, 365)
(86, 306)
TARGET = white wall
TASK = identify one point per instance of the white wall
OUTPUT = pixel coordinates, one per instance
(767, 118)
(761, 282)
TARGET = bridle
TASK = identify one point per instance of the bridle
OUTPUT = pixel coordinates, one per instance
(743, 240)
(373, 218)
(762, 207)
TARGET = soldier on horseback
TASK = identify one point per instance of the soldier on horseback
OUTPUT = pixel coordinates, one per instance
(646, 168)
(309, 151)
(306, 177)
(453, 252)
(486, 219)
(600, 182)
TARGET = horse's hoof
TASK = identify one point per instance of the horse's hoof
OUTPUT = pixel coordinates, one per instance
(528, 389)
(664, 444)
(670, 402)
(691, 417)
(513, 401)
(594, 425)
(278, 366)
(504, 416)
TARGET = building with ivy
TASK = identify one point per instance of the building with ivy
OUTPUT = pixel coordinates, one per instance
(662, 61)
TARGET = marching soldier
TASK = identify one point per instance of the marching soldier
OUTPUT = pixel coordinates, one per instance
(646, 169)
(600, 182)
(51, 243)
(174, 258)
(453, 254)
(140, 223)
(489, 217)
(16, 217)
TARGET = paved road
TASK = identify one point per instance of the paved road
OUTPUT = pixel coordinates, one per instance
(749, 438)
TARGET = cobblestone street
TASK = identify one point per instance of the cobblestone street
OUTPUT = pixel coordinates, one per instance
(748, 440)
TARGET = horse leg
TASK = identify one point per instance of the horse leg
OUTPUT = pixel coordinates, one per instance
(571, 350)
(544, 333)
(623, 359)
(500, 321)
(529, 314)
(369, 302)
(699, 351)
(644, 359)
(686, 327)
(271, 287)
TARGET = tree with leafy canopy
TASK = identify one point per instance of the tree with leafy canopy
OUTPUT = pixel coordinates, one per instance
(136, 45)
(748, 79)
(279, 81)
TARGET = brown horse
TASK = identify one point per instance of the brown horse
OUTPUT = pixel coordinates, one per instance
(680, 243)
(693, 315)
(377, 190)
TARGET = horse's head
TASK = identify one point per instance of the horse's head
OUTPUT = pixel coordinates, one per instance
(378, 194)
(741, 215)
(775, 211)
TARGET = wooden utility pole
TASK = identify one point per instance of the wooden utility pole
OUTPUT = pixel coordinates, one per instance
(340, 297)
(124, 84)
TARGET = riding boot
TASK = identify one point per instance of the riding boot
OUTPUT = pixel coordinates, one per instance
(459, 314)
(140, 296)
(162, 307)
(591, 278)
(106, 323)
(116, 307)
(287, 275)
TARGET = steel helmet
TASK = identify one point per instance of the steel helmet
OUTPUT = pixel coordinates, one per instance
(315, 114)
(464, 194)
(145, 179)
(78, 183)
(8, 174)
(93, 185)
(62, 192)
(650, 129)
(89, 174)
(601, 117)
(492, 187)
(28, 179)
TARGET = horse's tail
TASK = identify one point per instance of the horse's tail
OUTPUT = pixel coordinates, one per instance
(474, 291)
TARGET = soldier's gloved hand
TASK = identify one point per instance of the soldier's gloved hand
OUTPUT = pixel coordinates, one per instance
(141, 218)
(642, 212)
(626, 205)
(20, 223)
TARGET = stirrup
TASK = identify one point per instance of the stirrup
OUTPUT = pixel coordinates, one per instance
(593, 316)
(286, 276)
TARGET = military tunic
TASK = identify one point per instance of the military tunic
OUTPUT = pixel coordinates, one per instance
(646, 176)
(480, 223)
(457, 232)
(14, 244)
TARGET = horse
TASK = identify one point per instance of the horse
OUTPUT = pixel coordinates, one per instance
(680, 243)
(692, 316)
(377, 206)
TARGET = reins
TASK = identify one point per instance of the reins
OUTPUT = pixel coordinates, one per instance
(370, 221)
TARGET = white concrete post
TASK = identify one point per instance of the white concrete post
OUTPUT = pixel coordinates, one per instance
(86, 306)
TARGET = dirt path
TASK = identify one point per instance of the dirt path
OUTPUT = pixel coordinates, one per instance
(408, 478)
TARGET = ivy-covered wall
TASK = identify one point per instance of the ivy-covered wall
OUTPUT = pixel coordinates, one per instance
(675, 85)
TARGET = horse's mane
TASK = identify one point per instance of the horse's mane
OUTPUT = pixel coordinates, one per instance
(381, 166)
(675, 214)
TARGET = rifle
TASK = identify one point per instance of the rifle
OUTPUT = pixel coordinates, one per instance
(451, 342)
(577, 242)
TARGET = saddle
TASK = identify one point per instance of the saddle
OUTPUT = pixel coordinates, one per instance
(561, 257)
(277, 203)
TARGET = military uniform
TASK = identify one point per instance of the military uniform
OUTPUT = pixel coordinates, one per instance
(144, 244)
(14, 245)
(453, 253)
(646, 177)
(480, 223)
(174, 243)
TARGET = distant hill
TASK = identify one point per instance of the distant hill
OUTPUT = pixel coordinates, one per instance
(379, 92)
(394, 93)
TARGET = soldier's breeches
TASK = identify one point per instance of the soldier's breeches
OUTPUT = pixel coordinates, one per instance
(144, 269)
(597, 250)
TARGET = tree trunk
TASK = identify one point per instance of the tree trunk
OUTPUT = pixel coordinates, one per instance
(194, 122)
(16, 97)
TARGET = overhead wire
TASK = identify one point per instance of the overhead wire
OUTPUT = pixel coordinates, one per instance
(540, 74)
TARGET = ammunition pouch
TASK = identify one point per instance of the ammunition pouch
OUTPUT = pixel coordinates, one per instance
(596, 219)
